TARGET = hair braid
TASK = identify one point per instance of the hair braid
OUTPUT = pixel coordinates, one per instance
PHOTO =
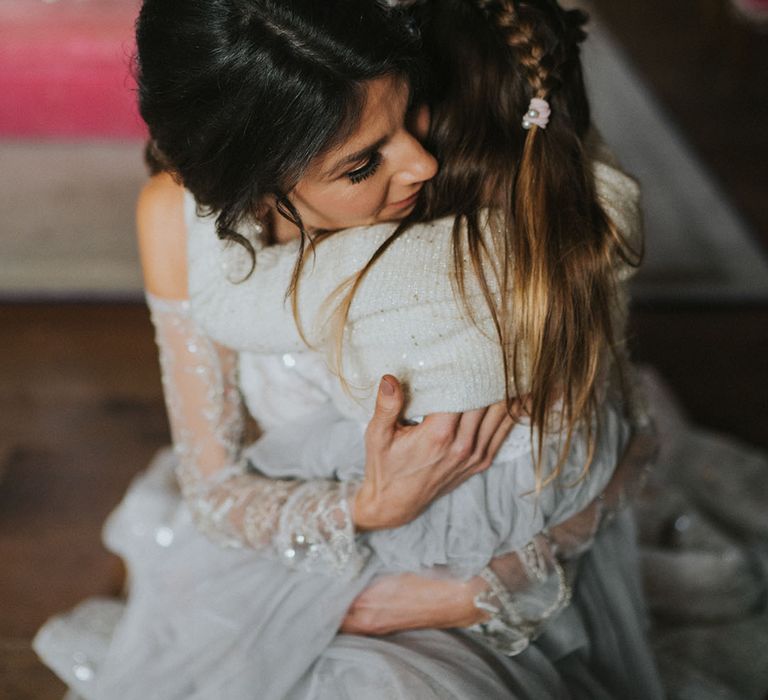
(558, 247)
(541, 35)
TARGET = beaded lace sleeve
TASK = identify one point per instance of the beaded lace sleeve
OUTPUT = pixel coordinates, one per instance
(527, 588)
(307, 524)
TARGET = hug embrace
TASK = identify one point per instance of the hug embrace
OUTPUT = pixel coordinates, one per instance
(391, 236)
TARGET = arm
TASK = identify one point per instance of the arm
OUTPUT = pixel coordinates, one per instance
(410, 601)
(526, 588)
(307, 523)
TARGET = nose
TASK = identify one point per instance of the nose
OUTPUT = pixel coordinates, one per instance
(418, 165)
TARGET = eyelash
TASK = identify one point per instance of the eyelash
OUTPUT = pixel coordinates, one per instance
(366, 171)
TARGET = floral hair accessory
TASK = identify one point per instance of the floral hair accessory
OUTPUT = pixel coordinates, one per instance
(537, 114)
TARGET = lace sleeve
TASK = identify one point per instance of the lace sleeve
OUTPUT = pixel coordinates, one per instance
(526, 588)
(307, 524)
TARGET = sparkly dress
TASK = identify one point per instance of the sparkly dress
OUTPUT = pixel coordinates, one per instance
(240, 578)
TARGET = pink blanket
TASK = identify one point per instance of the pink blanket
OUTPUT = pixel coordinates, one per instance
(66, 69)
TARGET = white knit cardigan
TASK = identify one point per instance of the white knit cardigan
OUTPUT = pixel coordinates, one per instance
(406, 318)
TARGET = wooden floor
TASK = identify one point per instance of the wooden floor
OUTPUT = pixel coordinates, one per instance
(83, 412)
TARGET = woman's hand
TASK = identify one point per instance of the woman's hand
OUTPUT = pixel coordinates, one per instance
(408, 601)
(409, 466)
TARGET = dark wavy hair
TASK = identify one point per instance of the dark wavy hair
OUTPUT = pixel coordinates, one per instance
(241, 95)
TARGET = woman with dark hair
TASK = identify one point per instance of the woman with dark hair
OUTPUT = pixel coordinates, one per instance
(331, 84)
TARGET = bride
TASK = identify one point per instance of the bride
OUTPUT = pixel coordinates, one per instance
(198, 613)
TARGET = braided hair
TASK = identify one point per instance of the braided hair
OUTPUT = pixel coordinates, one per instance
(558, 248)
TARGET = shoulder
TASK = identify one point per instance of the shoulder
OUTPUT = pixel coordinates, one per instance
(162, 236)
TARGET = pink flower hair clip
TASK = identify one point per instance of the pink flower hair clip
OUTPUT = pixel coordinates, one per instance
(537, 115)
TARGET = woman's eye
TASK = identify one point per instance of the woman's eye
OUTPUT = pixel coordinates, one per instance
(364, 172)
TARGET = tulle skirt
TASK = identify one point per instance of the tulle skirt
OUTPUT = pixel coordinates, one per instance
(203, 622)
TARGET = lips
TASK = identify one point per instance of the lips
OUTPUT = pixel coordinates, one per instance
(403, 203)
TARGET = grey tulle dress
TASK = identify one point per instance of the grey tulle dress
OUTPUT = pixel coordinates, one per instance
(205, 619)
(195, 621)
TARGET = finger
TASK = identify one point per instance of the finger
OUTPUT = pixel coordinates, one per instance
(470, 422)
(390, 402)
(352, 624)
(521, 406)
(441, 427)
(455, 478)
(347, 624)
(516, 409)
(492, 418)
(497, 440)
(496, 427)
(526, 403)
(452, 483)
(490, 421)
(467, 433)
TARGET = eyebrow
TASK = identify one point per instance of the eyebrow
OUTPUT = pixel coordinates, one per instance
(355, 157)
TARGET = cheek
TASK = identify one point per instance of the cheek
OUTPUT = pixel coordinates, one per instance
(346, 205)
(362, 200)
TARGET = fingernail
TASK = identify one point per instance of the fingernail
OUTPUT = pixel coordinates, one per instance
(387, 387)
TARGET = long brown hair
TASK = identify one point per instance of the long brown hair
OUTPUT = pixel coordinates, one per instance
(546, 258)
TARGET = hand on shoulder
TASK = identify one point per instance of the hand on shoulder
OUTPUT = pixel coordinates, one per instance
(162, 237)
